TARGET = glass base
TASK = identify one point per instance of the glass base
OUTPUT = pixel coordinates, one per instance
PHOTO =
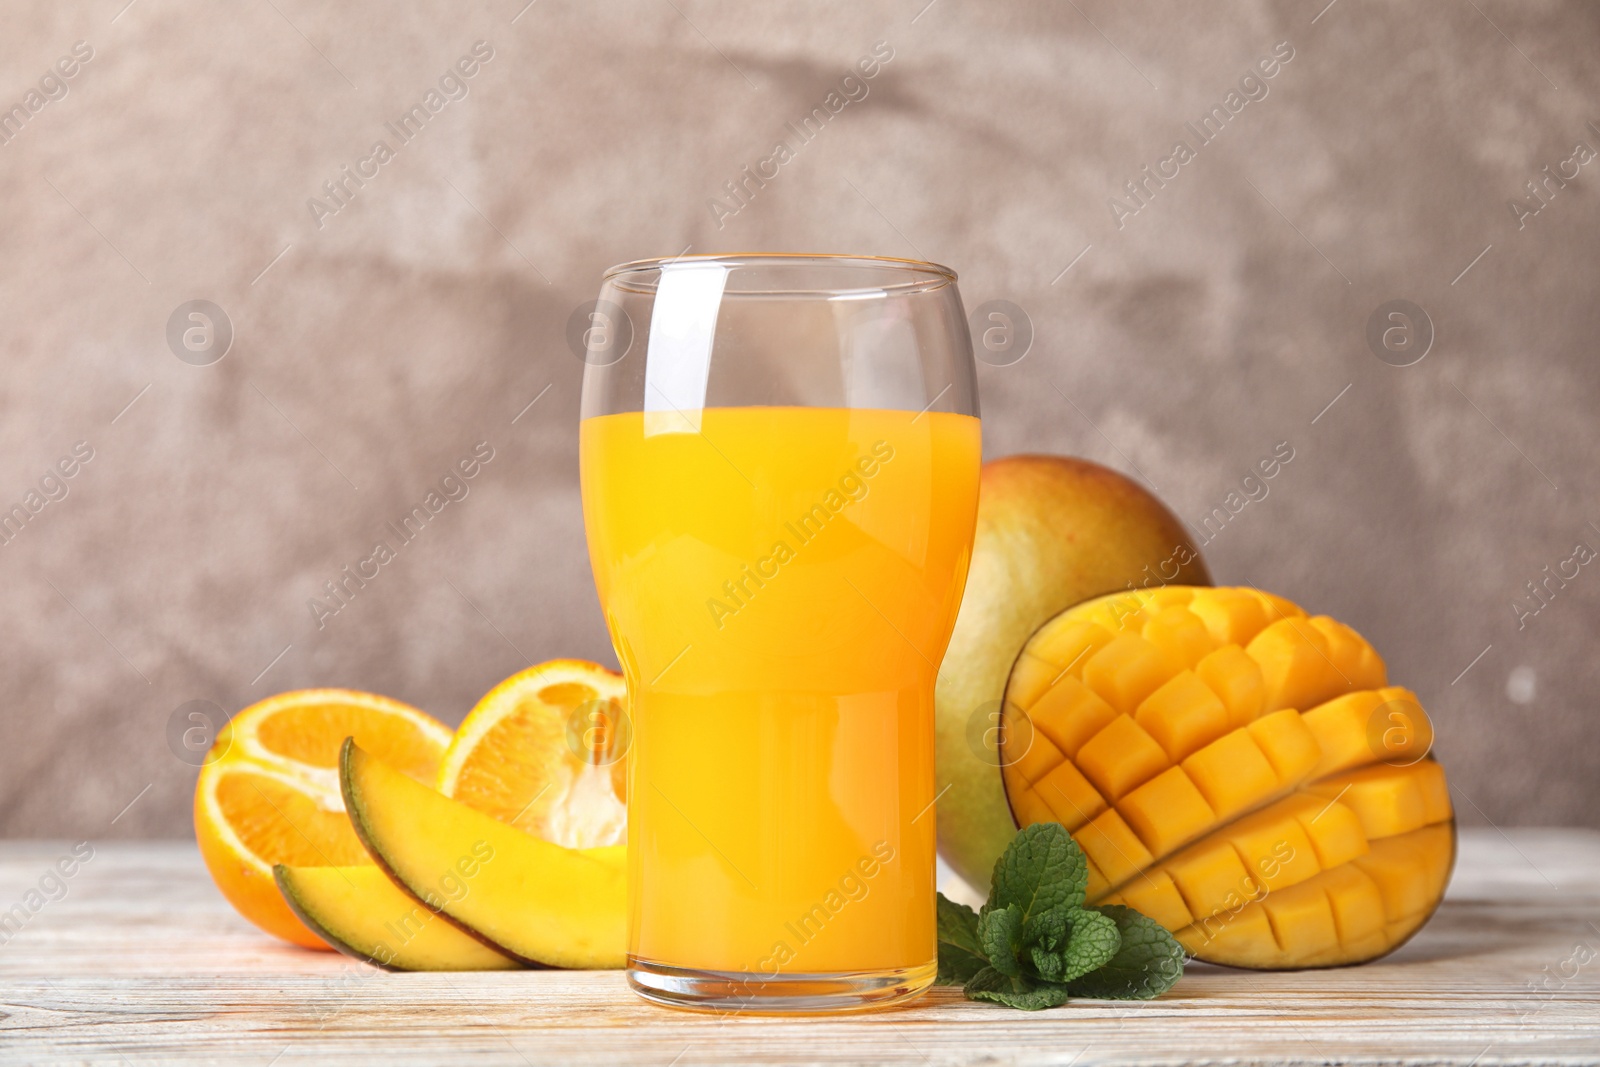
(785, 994)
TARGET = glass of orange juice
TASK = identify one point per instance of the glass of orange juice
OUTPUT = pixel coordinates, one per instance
(779, 460)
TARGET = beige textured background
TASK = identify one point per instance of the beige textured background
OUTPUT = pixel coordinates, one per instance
(424, 317)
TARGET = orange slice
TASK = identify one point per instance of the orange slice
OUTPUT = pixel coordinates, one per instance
(545, 752)
(269, 792)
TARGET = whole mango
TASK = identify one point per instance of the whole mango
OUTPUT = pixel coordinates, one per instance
(1052, 532)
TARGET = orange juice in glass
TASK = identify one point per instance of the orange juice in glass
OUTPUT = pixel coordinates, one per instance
(780, 463)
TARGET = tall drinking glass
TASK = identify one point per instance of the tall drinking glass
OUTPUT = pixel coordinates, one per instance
(780, 462)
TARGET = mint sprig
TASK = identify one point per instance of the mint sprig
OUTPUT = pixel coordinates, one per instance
(1034, 945)
(960, 955)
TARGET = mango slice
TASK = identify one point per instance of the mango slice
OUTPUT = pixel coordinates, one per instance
(535, 901)
(363, 914)
(1236, 769)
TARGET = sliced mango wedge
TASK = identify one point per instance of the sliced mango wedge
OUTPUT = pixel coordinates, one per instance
(362, 913)
(535, 901)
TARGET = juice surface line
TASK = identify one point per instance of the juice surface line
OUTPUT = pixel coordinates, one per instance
(780, 584)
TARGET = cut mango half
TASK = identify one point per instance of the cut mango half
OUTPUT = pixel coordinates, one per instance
(363, 914)
(535, 901)
(1236, 770)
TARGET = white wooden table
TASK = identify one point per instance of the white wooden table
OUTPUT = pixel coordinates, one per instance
(143, 962)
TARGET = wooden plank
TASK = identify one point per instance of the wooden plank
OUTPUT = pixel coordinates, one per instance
(142, 962)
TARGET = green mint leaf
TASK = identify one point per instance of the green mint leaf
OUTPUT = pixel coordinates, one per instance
(1064, 945)
(1047, 929)
(1042, 868)
(1034, 944)
(1093, 943)
(1047, 964)
(1146, 964)
(988, 980)
(960, 955)
(1047, 995)
(1015, 992)
(1000, 934)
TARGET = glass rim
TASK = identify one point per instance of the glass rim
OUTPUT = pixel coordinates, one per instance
(922, 275)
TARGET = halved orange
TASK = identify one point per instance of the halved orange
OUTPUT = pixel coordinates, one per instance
(546, 751)
(269, 792)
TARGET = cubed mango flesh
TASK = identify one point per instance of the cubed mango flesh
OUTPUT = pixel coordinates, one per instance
(1274, 846)
(1156, 895)
(1233, 616)
(1212, 878)
(1233, 774)
(1180, 634)
(1069, 795)
(1387, 724)
(1069, 714)
(1127, 670)
(1183, 715)
(1167, 811)
(1237, 770)
(1030, 678)
(1244, 938)
(1237, 681)
(1335, 831)
(1120, 757)
(1288, 745)
(1027, 808)
(1341, 727)
(1357, 662)
(1066, 647)
(1295, 665)
(1357, 903)
(1040, 757)
(1114, 848)
(1391, 800)
(1410, 869)
(1302, 920)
